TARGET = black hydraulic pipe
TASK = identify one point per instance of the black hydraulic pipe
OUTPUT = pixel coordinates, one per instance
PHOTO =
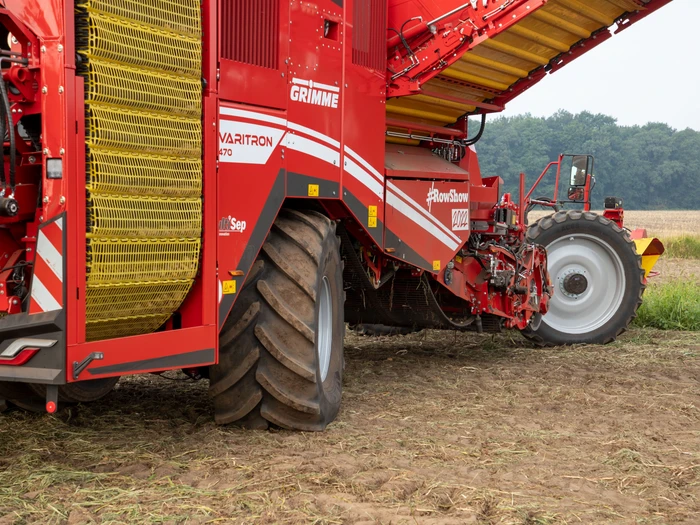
(10, 129)
(478, 136)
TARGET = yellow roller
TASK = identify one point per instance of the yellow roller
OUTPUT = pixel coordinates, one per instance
(496, 64)
(142, 61)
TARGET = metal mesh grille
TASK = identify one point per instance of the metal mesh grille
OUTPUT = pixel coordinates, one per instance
(123, 172)
(143, 217)
(369, 34)
(170, 15)
(119, 128)
(141, 60)
(126, 42)
(250, 32)
(120, 85)
(121, 260)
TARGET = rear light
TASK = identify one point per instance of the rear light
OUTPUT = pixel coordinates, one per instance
(21, 358)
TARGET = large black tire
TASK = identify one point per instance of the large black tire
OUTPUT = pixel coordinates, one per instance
(270, 370)
(32, 397)
(377, 330)
(586, 227)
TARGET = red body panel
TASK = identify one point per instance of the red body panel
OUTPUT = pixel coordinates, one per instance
(294, 108)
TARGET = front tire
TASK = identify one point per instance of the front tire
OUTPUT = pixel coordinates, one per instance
(597, 278)
(281, 349)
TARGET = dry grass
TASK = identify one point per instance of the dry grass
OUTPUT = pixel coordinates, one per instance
(435, 428)
(665, 224)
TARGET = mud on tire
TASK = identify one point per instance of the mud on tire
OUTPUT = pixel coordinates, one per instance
(270, 369)
(583, 228)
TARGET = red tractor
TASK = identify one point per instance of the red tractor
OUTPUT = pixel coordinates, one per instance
(219, 186)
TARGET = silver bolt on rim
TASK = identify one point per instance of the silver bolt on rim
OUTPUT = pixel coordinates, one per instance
(591, 260)
(324, 336)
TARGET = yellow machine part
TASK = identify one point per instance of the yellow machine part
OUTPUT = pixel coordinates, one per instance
(142, 61)
(493, 66)
(650, 249)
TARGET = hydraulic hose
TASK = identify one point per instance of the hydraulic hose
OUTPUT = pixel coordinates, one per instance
(478, 136)
(10, 130)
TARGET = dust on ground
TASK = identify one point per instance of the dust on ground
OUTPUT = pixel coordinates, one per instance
(676, 270)
(435, 428)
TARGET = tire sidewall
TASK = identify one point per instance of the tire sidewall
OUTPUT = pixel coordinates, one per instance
(631, 269)
(330, 390)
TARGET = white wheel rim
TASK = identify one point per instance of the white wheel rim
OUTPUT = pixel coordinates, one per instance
(576, 259)
(324, 335)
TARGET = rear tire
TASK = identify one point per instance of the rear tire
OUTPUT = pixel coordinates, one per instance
(281, 349)
(597, 278)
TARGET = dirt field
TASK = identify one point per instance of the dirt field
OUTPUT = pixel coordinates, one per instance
(435, 428)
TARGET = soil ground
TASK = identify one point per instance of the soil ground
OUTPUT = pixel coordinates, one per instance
(435, 428)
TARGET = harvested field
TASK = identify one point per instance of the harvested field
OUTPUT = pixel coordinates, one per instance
(665, 224)
(436, 427)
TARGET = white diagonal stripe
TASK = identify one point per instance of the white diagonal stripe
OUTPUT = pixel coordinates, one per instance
(426, 214)
(315, 134)
(395, 202)
(313, 148)
(59, 223)
(253, 116)
(364, 163)
(364, 178)
(43, 297)
(50, 254)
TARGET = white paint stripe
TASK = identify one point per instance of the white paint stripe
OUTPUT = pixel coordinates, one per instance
(395, 202)
(364, 163)
(253, 116)
(315, 134)
(313, 148)
(50, 254)
(59, 223)
(355, 165)
(364, 178)
(42, 296)
(414, 204)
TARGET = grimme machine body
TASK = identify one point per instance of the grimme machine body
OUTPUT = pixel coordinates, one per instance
(218, 186)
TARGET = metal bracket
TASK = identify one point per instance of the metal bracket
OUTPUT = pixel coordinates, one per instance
(79, 367)
(51, 398)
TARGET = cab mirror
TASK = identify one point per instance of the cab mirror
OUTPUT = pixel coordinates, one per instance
(576, 194)
(579, 170)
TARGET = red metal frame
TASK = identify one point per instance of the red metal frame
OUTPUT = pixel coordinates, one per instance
(313, 128)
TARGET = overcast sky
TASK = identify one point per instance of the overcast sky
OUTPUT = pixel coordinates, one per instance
(648, 73)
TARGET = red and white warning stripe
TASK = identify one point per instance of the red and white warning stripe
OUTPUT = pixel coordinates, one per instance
(47, 282)
(327, 149)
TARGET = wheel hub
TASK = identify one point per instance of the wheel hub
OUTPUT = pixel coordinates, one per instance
(590, 283)
(574, 284)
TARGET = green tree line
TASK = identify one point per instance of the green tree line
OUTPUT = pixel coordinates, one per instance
(650, 167)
